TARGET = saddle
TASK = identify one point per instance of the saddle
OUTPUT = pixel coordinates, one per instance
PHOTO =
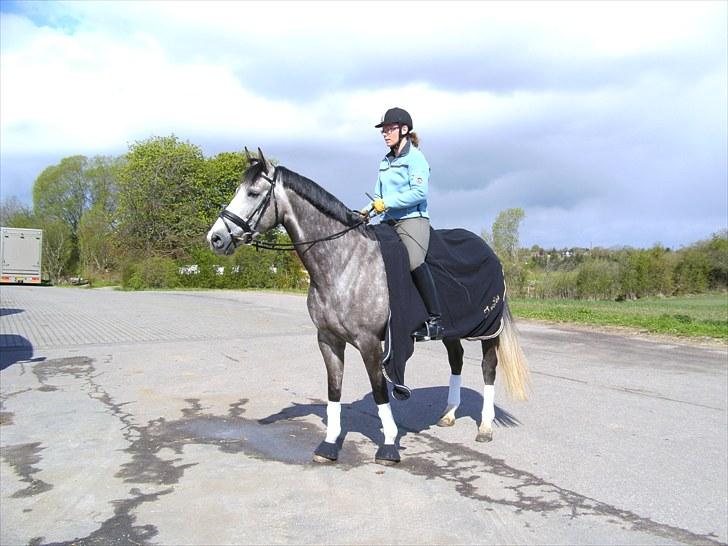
(469, 280)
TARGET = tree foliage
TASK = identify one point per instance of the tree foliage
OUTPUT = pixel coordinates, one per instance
(62, 192)
(97, 241)
(505, 233)
(143, 217)
(160, 193)
(504, 239)
(13, 213)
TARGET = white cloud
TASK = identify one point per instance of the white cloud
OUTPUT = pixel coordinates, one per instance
(548, 104)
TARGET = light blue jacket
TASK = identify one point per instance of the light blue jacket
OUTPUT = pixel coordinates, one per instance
(403, 183)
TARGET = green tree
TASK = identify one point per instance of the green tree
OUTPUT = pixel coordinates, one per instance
(161, 207)
(716, 253)
(63, 192)
(504, 239)
(505, 233)
(692, 271)
(57, 247)
(222, 174)
(96, 241)
(13, 213)
(96, 233)
(660, 271)
(597, 279)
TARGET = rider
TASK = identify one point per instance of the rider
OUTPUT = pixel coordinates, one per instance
(401, 194)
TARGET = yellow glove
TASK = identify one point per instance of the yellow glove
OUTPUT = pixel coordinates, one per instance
(378, 205)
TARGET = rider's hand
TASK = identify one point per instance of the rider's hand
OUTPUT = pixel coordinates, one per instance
(378, 205)
(364, 213)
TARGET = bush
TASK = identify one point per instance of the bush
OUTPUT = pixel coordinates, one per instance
(152, 272)
(556, 284)
(597, 280)
(692, 272)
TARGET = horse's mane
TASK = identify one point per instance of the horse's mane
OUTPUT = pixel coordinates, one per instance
(311, 192)
(318, 197)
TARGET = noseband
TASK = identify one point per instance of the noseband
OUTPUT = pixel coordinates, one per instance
(248, 231)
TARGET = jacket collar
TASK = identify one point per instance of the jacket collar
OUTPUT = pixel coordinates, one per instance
(405, 151)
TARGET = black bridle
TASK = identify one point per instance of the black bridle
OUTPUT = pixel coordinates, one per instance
(249, 231)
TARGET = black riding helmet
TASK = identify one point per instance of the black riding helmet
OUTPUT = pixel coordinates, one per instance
(399, 116)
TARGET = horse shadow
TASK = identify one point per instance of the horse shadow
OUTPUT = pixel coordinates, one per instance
(418, 414)
(5, 311)
(14, 348)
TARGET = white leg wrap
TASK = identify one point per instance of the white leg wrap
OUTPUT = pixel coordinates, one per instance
(333, 421)
(488, 404)
(388, 426)
(453, 393)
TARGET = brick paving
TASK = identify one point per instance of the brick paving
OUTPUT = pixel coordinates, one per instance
(77, 316)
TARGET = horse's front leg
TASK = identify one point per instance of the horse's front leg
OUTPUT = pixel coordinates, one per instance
(455, 358)
(490, 361)
(332, 348)
(371, 351)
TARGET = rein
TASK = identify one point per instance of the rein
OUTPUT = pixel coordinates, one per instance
(292, 246)
(249, 232)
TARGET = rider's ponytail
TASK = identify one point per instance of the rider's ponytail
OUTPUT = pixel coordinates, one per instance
(414, 139)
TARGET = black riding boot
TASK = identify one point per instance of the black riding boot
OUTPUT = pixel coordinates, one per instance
(432, 329)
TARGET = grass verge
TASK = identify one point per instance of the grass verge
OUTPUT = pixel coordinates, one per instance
(689, 316)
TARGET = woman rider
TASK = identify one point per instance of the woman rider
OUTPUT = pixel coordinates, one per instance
(401, 194)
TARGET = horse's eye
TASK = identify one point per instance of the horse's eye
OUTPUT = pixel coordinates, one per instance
(253, 194)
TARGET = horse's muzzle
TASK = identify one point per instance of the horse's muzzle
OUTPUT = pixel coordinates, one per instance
(220, 244)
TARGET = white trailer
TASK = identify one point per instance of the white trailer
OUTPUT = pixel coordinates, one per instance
(20, 255)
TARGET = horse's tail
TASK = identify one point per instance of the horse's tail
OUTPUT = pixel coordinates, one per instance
(511, 359)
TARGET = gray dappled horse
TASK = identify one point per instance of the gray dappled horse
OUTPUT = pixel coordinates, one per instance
(348, 299)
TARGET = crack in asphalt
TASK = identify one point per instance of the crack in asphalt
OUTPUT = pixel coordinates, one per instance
(283, 437)
(465, 467)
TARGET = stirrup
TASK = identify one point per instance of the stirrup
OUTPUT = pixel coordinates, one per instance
(432, 330)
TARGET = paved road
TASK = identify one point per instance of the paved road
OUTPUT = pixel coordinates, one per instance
(190, 418)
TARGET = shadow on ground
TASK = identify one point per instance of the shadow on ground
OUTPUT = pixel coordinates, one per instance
(14, 348)
(418, 414)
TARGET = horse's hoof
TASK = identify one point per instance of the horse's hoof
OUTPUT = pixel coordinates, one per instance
(326, 453)
(484, 436)
(387, 455)
(446, 421)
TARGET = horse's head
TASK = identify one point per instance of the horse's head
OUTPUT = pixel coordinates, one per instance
(252, 211)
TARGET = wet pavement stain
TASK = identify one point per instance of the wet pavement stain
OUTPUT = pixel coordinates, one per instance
(22, 459)
(288, 441)
(285, 438)
(524, 491)
(119, 529)
(6, 418)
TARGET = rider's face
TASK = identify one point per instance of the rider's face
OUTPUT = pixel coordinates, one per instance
(390, 132)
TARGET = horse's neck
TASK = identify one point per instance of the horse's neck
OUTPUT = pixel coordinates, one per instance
(323, 260)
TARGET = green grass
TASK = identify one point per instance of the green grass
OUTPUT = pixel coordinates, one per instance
(691, 316)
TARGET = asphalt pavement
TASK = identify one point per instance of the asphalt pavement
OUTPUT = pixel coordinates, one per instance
(191, 418)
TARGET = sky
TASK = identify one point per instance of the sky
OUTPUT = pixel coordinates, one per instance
(606, 122)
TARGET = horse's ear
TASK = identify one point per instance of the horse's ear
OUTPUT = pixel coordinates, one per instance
(261, 157)
(247, 156)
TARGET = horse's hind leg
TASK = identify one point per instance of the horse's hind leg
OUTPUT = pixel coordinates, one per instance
(332, 348)
(490, 361)
(455, 358)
